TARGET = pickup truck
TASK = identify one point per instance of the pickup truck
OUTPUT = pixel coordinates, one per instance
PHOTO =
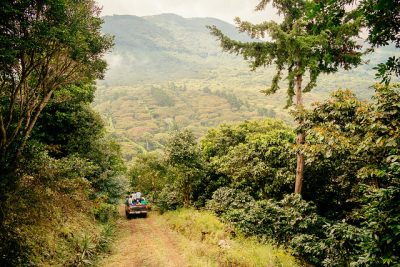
(136, 208)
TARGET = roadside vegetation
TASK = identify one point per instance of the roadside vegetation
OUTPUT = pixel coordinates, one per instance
(210, 242)
(60, 172)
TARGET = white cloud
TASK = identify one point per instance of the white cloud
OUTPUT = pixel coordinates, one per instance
(221, 9)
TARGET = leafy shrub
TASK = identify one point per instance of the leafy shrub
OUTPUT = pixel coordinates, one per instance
(298, 216)
(87, 246)
(309, 247)
(226, 198)
(105, 212)
(380, 216)
(169, 199)
(295, 223)
(86, 249)
(279, 220)
(339, 245)
(343, 243)
(256, 156)
(106, 235)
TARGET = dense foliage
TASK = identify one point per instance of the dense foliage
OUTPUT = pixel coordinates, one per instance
(264, 158)
(348, 214)
(256, 156)
(45, 46)
(60, 173)
(383, 21)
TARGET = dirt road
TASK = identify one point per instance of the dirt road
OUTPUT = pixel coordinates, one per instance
(145, 242)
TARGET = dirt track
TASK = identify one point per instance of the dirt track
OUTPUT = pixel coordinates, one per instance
(145, 242)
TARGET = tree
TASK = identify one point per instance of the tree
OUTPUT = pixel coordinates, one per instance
(218, 141)
(148, 173)
(383, 21)
(314, 38)
(262, 164)
(335, 130)
(44, 46)
(68, 124)
(183, 155)
(254, 156)
(108, 177)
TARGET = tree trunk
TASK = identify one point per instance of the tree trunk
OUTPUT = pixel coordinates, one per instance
(31, 123)
(299, 140)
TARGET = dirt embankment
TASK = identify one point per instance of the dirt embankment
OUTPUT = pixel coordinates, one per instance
(145, 242)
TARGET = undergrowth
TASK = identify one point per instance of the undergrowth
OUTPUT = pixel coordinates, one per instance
(47, 227)
(209, 242)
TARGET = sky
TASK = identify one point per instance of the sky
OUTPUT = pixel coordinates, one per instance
(225, 10)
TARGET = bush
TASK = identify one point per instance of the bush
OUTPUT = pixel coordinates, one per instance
(105, 212)
(225, 198)
(279, 220)
(339, 246)
(106, 236)
(343, 243)
(169, 199)
(294, 223)
(380, 215)
(309, 247)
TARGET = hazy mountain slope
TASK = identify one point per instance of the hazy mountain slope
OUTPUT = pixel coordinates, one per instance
(163, 47)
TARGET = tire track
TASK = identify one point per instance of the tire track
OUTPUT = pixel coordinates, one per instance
(145, 242)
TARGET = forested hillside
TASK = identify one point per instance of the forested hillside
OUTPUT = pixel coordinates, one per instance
(167, 72)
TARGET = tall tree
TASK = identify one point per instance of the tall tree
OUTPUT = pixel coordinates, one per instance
(314, 37)
(44, 46)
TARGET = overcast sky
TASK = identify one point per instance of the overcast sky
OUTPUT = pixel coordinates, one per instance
(225, 10)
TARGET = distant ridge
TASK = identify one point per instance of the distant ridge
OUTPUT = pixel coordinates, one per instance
(164, 47)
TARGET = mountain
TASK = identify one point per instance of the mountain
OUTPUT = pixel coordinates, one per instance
(167, 72)
(163, 47)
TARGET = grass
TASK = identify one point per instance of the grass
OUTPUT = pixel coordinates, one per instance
(208, 242)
